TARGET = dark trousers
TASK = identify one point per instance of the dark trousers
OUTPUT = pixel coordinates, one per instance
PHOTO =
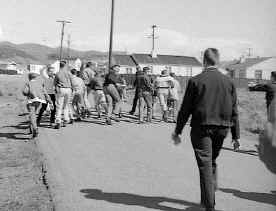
(145, 98)
(135, 100)
(44, 107)
(207, 142)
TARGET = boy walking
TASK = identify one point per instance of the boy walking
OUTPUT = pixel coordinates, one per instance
(36, 94)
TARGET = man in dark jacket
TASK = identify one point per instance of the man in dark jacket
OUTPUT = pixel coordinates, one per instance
(135, 99)
(212, 101)
(144, 90)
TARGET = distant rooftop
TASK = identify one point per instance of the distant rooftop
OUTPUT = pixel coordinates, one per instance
(166, 60)
(124, 60)
(248, 62)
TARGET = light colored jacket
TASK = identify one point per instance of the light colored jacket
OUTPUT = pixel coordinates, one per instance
(175, 90)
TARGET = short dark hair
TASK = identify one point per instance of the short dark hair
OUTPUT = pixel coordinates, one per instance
(115, 65)
(62, 64)
(74, 71)
(172, 74)
(145, 69)
(88, 64)
(211, 57)
(32, 76)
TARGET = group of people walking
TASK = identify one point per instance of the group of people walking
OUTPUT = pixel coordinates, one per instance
(67, 92)
(210, 98)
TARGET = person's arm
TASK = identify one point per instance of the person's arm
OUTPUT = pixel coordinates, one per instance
(235, 129)
(186, 109)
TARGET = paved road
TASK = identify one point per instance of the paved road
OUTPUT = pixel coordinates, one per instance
(135, 167)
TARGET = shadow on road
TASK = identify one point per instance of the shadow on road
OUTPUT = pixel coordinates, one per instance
(248, 152)
(267, 198)
(151, 202)
(6, 133)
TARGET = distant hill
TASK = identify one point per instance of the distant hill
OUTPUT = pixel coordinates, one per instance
(36, 53)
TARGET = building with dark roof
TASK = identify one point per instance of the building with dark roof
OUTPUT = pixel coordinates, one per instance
(180, 65)
(127, 65)
(253, 68)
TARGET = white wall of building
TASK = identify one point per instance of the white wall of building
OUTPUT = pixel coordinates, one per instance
(127, 70)
(35, 68)
(177, 69)
(266, 67)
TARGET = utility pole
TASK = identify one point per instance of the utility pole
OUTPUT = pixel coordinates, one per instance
(68, 46)
(249, 52)
(153, 37)
(63, 22)
(111, 35)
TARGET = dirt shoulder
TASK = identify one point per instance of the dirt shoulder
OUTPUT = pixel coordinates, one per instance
(22, 182)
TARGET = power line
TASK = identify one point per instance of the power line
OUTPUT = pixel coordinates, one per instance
(63, 22)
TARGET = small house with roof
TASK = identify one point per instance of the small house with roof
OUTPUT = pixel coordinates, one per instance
(180, 65)
(258, 68)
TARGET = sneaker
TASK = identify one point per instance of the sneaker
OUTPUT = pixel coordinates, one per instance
(71, 121)
(57, 126)
(35, 133)
(78, 119)
(131, 112)
(108, 121)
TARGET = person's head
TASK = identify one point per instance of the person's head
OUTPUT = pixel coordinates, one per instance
(273, 76)
(74, 71)
(88, 64)
(211, 57)
(50, 71)
(138, 68)
(62, 64)
(165, 72)
(172, 74)
(115, 68)
(146, 70)
(32, 76)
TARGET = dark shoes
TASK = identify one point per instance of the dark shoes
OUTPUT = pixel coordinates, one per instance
(57, 126)
(35, 133)
(131, 112)
(108, 121)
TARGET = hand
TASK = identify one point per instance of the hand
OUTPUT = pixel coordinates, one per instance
(176, 138)
(236, 144)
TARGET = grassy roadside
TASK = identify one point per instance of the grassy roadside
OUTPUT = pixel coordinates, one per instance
(21, 165)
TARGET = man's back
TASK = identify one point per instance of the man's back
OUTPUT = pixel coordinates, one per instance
(213, 99)
(63, 79)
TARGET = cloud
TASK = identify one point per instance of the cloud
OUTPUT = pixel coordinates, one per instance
(168, 42)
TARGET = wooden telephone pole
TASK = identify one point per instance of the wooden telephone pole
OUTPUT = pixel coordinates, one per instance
(63, 23)
(111, 35)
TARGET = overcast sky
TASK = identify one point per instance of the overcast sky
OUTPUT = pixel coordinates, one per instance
(185, 27)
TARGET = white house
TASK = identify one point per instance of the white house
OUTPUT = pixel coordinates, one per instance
(258, 68)
(180, 65)
(35, 68)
